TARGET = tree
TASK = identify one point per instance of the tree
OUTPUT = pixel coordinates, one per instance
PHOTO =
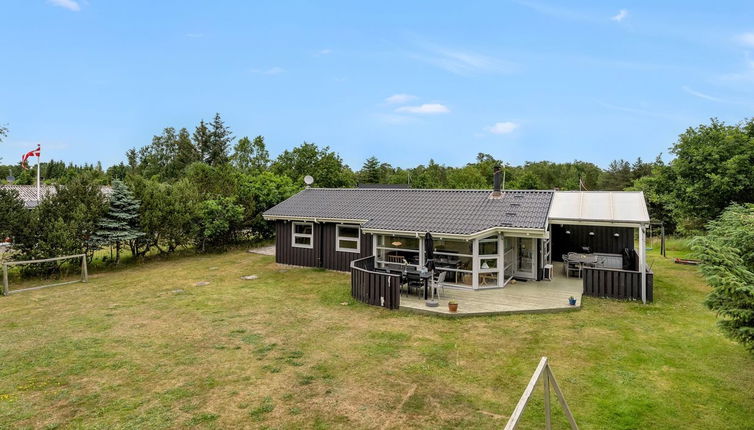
(370, 172)
(324, 165)
(14, 217)
(3, 133)
(526, 181)
(202, 140)
(711, 170)
(727, 254)
(251, 156)
(216, 150)
(267, 189)
(120, 224)
(431, 176)
(618, 176)
(167, 214)
(467, 177)
(63, 222)
(219, 220)
(187, 151)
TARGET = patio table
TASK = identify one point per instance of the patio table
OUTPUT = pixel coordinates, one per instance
(580, 259)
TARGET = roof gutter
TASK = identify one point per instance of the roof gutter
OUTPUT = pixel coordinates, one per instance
(313, 219)
(524, 232)
(598, 222)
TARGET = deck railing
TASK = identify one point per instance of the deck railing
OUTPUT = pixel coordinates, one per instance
(616, 283)
(372, 287)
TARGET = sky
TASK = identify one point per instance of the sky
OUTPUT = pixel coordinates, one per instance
(405, 81)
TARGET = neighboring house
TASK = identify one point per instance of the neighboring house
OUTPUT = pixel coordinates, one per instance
(483, 238)
(28, 193)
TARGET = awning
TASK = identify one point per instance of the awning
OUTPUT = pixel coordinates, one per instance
(598, 207)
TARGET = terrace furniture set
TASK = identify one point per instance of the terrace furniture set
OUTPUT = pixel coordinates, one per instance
(574, 262)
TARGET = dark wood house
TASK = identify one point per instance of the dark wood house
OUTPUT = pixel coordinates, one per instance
(482, 239)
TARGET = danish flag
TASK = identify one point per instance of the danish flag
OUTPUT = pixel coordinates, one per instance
(33, 153)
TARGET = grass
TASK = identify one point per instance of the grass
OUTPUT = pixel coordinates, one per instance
(143, 347)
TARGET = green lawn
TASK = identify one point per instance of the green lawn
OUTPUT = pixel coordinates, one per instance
(143, 347)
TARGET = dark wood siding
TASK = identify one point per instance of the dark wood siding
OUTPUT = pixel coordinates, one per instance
(287, 254)
(374, 288)
(336, 260)
(324, 254)
(604, 239)
(616, 284)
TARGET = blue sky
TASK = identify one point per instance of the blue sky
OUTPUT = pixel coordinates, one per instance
(405, 81)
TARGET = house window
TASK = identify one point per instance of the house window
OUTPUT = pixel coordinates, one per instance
(396, 251)
(456, 258)
(347, 238)
(303, 235)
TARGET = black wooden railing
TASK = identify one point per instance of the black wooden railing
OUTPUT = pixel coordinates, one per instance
(615, 283)
(373, 287)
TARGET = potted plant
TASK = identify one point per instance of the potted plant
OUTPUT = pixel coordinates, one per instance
(572, 301)
(453, 306)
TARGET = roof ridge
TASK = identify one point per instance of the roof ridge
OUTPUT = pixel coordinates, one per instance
(476, 190)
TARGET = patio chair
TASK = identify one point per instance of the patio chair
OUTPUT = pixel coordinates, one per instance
(437, 284)
(413, 281)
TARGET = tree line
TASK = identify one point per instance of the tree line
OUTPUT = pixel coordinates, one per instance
(205, 189)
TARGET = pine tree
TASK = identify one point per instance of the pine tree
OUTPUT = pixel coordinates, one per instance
(370, 171)
(219, 143)
(187, 152)
(202, 140)
(120, 223)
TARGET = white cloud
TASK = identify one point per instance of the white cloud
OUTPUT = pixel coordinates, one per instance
(701, 95)
(746, 39)
(622, 14)
(502, 127)
(426, 108)
(394, 119)
(67, 4)
(324, 52)
(271, 71)
(399, 98)
(194, 35)
(464, 63)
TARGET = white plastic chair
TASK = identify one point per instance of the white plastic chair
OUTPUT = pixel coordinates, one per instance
(438, 283)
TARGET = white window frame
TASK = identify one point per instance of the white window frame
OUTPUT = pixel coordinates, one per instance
(294, 235)
(356, 239)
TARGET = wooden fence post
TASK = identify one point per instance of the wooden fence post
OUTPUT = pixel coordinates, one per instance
(5, 279)
(546, 382)
(543, 371)
(84, 270)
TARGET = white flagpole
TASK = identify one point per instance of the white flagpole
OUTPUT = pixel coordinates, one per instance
(39, 156)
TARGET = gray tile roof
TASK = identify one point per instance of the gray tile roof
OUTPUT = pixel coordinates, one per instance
(438, 211)
(28, 193)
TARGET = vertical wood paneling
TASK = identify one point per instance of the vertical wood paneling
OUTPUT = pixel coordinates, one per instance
(324, 254)
(616, 284)
(372, 287)
(604, 239)
(285, 253)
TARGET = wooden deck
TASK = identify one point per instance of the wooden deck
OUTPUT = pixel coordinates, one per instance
(521, 297)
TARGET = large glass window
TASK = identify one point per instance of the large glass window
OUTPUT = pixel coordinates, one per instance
(396, 252)
(456, 257)
(488, 262)
(303, 235)
(347, 238)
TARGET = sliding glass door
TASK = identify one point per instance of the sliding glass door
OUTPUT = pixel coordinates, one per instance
(526, 257)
